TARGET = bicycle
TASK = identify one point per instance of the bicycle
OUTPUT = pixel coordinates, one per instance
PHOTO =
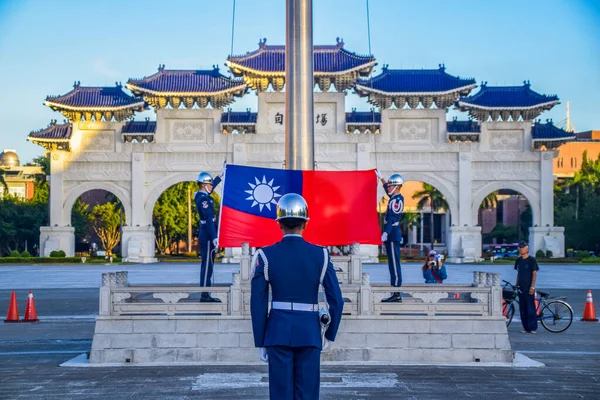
(554, 313)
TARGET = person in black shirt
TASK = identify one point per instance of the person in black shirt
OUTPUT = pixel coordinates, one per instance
(527, 269)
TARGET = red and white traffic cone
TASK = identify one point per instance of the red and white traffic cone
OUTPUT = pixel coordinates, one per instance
(589, 313)
(13, 311)
(30, 313)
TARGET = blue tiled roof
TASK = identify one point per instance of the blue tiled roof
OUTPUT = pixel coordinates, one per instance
(327, 59)
(409, 81)
(548, 131)
(54, 131)
(87, 97)
(185, 81)
(502, 97)
(237, 117)
(456, 126)
(139, 127)
(363, 117)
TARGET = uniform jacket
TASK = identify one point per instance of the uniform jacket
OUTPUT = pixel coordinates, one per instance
(205, 205)
(293, 269)
(393, 215)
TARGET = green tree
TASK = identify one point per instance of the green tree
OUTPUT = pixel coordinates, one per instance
(170, 217)
(2, 181)
(106, 224)
(504, 234)
(81, 219)
(490, 201)
(429, 195)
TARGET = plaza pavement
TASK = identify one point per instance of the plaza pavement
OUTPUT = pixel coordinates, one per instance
(67, 300)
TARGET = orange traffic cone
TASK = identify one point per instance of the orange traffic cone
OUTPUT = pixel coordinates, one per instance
(589, 313)
(13, 312)
(457, 295)
(30, 314)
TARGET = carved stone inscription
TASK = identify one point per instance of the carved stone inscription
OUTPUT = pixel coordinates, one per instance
(324, 118)
(97, 141)
(188, 131)
(506, 140)
(412, 129)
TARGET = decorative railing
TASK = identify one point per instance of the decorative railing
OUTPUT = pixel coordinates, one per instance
(482, 298)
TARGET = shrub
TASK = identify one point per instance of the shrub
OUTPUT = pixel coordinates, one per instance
(25, 253)
(61, 253)
(57, 254)
(549, 254)
(540, 254)
(590, 260)
(15, 253)
(54, 253)
(582, 254)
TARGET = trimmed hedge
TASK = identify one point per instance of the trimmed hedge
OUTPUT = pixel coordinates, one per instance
(590, 260)
(40, 260)
(25, 253)
(15, 253)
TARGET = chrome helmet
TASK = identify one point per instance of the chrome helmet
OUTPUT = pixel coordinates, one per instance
(395, 180)
(292, 205)
(204, 178)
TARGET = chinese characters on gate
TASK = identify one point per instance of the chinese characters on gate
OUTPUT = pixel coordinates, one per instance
(321, 119)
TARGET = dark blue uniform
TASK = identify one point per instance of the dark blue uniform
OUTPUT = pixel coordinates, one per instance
(293, 268)
(527, 308)
(392, 228)
(207, 233)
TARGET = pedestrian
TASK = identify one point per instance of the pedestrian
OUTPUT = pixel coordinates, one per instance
(207, 233)
(527, 268)
(391, 236)
(290, 337)
(434, 270)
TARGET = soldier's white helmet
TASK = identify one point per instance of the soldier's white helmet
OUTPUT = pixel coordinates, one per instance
(204, 178)
(395, 180)
(292, 205)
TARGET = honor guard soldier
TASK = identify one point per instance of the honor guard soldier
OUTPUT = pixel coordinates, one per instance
(290, 336)
(391, 236)
(207, 235)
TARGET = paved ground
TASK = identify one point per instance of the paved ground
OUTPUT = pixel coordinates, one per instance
(30, 353)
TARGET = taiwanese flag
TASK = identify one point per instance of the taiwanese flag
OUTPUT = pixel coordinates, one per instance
(341, 206)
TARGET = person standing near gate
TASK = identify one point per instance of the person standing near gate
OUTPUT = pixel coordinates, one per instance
(289, 338)
(391, 236)
(207, 234)
(527, 268)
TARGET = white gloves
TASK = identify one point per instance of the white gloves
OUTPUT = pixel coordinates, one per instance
(263, 355)
(326, 345)
(216, 243)
(378, 174)
(384, 237)
(223, 171)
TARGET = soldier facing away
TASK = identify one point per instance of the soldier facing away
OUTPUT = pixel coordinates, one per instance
(290, 336)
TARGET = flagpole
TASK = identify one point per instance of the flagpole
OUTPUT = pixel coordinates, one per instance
(299, 84)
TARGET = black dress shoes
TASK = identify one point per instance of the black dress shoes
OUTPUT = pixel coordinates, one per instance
(394, 298)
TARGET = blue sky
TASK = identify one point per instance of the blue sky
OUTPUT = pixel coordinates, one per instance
(45, 45)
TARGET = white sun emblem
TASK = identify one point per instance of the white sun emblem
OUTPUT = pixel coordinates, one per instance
(262, 193)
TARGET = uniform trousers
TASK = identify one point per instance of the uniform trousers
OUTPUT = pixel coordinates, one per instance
(294, 372)
(208, 253)
(393, 253)
(528, 311)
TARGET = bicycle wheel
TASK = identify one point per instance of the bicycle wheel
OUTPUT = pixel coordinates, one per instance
(508, 310)
(556, 316)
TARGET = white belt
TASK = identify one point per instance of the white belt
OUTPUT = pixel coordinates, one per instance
(204, 222)
(284, 305)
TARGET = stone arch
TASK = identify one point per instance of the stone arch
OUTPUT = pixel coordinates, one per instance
(160, 187)
(530, 194)
(443, 186)
(122, 194)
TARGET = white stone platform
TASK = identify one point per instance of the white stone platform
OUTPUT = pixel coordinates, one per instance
(164, 324)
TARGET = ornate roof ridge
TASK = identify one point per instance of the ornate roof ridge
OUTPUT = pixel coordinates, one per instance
(385, 70)
(319, 48)
(215, 72)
